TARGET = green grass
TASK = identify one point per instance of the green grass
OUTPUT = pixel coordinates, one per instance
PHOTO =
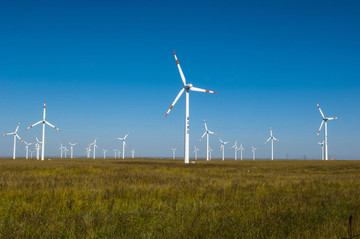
(148, 198)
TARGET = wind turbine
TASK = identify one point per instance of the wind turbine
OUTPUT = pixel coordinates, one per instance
(325, 119)
(88, 151)
(37, 147)
(322, 149)
(119, 153)
(253, 152)
(15, 136)
(27, 148)
(94, 144)
(65, 150)
(61, 150)
(31, 153)
(132, 153)
(195, 151)
(43, 131)
(235, 147)
(104, 150)
(272, 138)
(241, 148)
(222, 148)
(187, 88)
(115, 151)
(207, 132)
(210, 150)
(71, 149)
(123, 144)
(173, 149)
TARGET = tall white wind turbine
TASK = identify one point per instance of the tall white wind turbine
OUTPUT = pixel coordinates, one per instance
(241, 148)
(123, 144)
(95, 146)
(104, 150)
(133, 153)
(272, 138)
(173, 150)
(72, 149)
(207, 132)
(325, 119)
(322, 149)
(15, 136)
(43, 131)
(186, 88)
(222, 148)
(253, 152)
(195, 151)
(235, 147)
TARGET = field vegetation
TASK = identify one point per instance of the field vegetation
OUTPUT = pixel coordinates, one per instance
(152, 198)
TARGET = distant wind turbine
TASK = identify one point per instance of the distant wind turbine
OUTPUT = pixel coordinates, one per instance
(104, 150)
(322, 149)
(325, 119)
(210, 150)
(173, 150)
(27, 148)
(253, 152)
(95, 146)
(195, 151)
(186, 88)
(241, 148)
(235, 147)
(15, 136)
(123, 144)
(43, 131)
(133, 153)
(115, 151)
(71, 149)
(222, 148)
(207, 132)
(272, 138)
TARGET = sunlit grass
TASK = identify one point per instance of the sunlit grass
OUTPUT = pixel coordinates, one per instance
(148, 198)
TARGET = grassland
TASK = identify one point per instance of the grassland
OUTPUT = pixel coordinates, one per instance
(84, 198)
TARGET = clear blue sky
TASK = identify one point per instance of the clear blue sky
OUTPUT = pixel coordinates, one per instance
(107, 67)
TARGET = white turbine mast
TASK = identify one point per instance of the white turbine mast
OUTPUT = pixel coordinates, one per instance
(95, 146)
(15, 136)
(235, 147)
(272, 138)
(173, 150)
(322, 149)
(71, 149)
(133, 153)
(65, 150)
(61, 150)
(27, 148)
(222, 148)
(241, 148)
(253, 152)
(104, 150)
(88, 151)
(123, 144)
(324, 120)
(207, 132)
(186, 88)
(195, 151)
(43, 131)
(210, 150)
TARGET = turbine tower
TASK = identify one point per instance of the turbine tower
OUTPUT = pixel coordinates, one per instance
(15, 136)
(195, 151)
(123, 144)
(272, 138)
(43, 131)
(71, 149)
(104, 150)
(94, 144)
(222, 148)
(322, 149)
(235, 147)
(210, 150)
(253, 152)
(61, 150)
(88, 151)
(207, 132)
(115, 151)
(173, 149)
(187, 88)
(132, 153)
(325, 119)
(27, 148)
(241, 148)
(65, 150)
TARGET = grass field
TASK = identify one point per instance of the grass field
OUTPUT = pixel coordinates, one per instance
(148, 198)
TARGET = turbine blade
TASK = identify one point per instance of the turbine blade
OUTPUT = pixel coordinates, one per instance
(176, 99)
(322, 122)
(202, 136)
(12, 133)
(276, 139)
(202, 90)
(210, 132)
(267, 140)
(320, 111)
(181, 73)
(126, 135)
(34, 125)
(205, 125)
(333, 118)
(52, 125)
(17, 128)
